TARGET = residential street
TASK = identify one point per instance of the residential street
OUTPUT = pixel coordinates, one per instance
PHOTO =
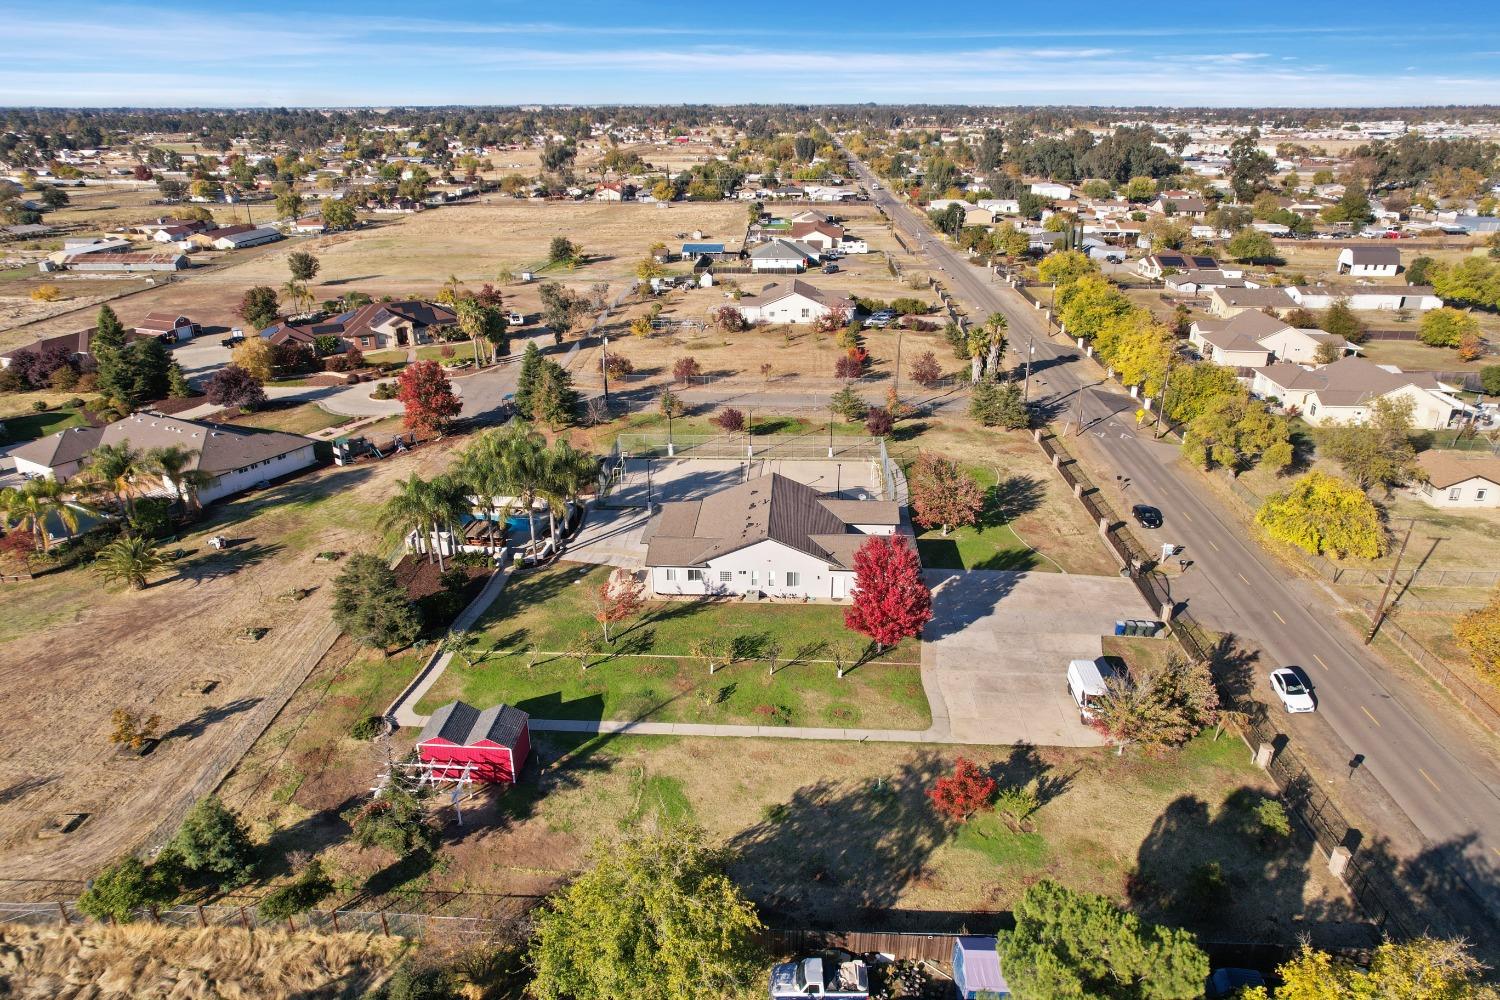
(1443, 780)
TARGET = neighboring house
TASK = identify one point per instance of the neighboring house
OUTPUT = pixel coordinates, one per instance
(490, 745)
(782, 255)
(250, 237)
(771, 535)
(1000, 206)
(134, 261)
(1229, 302)
(1198, 282)
(1459, 479)
(850, 244)
(1367, 297)
(1252, 339)
(795, 301)
(1098, 250)
(1193, 208)
(1369, 262)
(309, 224)
(821, 236)
(615, 192)
(179, 233)
(1343, 392)
(1155, 265)
(376, 326)
(76, 343)
(236, 458)
(1048, 189)
(169, 328)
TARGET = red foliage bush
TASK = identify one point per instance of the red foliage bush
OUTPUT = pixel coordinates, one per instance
(960, 795)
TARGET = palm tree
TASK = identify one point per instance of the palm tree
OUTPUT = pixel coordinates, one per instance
(447, 503)
(410, 509)
(32, 505)
(568, 473)
(172, 463)
(481, 469)
(118, 470)
(131, 559)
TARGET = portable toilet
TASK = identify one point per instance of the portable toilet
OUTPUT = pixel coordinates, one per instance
(976, 970)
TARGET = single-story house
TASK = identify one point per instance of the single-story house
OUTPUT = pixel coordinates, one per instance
(77, 345)
(1049, 189)
(614, 192)
(1367, 297)
(1000, 206)
(236, 458)
(1344, 391)
(376, 326)
(696, 250)
(821, 236)
(782, 255)
(309, 224)
(1191, 207)
(1459, 479)
(248, 237)
(134, 261)
(795, 301)
(1155, 265)
(1251, 339)
(1228, 302)
(771, 535)
(169, 328)
(1198, 282)
(1370, 262)
(490, 745)
(180, 232)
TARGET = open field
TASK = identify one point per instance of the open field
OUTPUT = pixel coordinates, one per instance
(1413, 355)
(649, 670)
(299, 418)
(177, 650)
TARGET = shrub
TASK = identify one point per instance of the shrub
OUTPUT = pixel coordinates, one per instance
(926, 370)
(39, 407)
(385, 390)
(64, 379)
(214, 844)
(1206, 888)
(299, 895)
(848, 367)
(46, 293)
(1275, 825)
(959, 795)
(368, 728)
(685, 369)
(879, 421)
(729, 420)
(1016, 804)
(618, 365)
(911, 307)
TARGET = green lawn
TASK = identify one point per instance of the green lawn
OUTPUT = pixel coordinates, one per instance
(386, 357)
(989, 544)
(649, 672)
(30, 426)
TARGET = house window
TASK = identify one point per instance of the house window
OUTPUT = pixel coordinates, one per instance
(725, 576)
(1455, 493)
(695, 576)
(793, 579)
(770, 578)
(805, 313)
(671, 576)
(1479, 494)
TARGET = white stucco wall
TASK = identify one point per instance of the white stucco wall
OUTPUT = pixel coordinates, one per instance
(243, 479)
(1474, 492)
(763, 567)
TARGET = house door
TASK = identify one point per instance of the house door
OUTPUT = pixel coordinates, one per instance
(401, 336)
(838, 587)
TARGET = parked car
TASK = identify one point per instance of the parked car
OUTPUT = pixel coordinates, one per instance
(882, 319)
(830, 269)
(1295, 693)
(1146, 516)
(233, 340)
(514, 318)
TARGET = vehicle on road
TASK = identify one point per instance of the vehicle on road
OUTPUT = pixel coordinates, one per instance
(514, 318)
(1086, 684)
(883, 318)
(830, 269)
(844, 976)
(233, 340)
(1293, 691)
(1146, 516)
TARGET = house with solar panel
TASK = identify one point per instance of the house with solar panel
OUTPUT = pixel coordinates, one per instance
(463, 743)
(373, 327)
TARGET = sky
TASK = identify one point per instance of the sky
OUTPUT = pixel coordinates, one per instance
(231, 53)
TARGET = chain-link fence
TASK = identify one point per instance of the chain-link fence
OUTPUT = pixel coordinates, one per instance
(810, 446)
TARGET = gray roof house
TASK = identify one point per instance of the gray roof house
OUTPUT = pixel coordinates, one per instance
(770, 534)
(236, 458)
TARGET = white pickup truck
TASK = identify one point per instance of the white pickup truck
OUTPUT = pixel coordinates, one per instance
(846, 980)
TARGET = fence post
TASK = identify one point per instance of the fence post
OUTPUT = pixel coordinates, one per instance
(202, 917)
(1338, 861)
(335, 915)
(385, 928)
(62, 911)
(1263, 754)
(244, 919)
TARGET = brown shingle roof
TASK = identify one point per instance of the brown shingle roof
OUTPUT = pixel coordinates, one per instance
(1446, 468)
(220, 448)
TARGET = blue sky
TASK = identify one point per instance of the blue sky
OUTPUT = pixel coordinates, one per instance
(286, 52)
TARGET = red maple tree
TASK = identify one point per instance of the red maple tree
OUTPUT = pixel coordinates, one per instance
(943, 494)
(891, 601)
(962, 793)
(618, 599)
(428, 397)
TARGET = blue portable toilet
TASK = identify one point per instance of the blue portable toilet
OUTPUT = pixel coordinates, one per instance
(976, 970)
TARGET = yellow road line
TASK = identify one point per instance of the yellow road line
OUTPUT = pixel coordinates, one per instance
(1278, 616)
(1211, 542)
(1424, 774)
(1320, 661)
(1187, 515)
(1241, 576)
(1368, 715)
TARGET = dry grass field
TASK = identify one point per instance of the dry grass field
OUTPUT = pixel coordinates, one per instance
(73, 650)
(146, 962)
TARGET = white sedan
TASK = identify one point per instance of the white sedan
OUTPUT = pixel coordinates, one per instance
(1295, 695)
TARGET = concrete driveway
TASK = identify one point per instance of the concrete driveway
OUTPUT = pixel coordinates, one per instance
(997, 650)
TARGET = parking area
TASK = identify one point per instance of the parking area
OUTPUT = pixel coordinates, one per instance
(645, 481)
(998, 647)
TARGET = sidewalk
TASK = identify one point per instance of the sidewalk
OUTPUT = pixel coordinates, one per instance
(403, 708)
(929, 735)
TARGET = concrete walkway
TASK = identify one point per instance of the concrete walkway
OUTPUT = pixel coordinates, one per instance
(744, 732)
(403, 709)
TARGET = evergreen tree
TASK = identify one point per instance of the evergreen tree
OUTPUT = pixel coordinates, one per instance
(106, 348)
(531, 362)
(212, 842)
(372, 606)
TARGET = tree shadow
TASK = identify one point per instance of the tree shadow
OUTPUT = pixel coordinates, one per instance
(1449, 889)
(213, 565)
(1210, 869)
(1233, 668)
(1010, 498)
(959, 600)
(312, 833)
(1025, 766)
(196, 726)
(20, 789)
(840, 853)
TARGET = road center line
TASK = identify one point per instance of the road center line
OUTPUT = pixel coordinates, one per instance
(1278, 616)
(1368, 715)
(1424, 774)
(1320, 661)
(1211, 543)
(1242, 577)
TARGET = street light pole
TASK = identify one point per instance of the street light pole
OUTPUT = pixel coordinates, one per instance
(1030, 350)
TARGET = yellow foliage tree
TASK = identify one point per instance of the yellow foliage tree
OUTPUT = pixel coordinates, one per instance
(1325, 514)
(255, 356)
(1479, 634)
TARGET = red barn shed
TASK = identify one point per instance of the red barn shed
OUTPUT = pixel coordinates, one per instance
(495, 741)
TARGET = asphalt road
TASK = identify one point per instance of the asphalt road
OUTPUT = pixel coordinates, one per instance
(1444, 780)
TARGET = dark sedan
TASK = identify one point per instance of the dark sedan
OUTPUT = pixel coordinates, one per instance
(1146, 517)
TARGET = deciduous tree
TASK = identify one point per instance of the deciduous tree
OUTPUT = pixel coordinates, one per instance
(303, 266)
(424, 390)
(1250, 244)
(944, 494)
(925, 369)
(259, 306)
(233, 386)
(1447, 327)
(618, 599)
(959, 795)
(729, 420)
(1377, 450)
(1325, 514)
(1235, 431)
(891, 600)
(1479, 634)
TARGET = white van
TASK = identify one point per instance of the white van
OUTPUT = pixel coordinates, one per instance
(1086, 684)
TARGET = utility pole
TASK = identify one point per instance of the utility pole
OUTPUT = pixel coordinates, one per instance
(1030, 350)
(1380, 611)
(1161, 404)
(1078, 411)
(605, 369)
(899, 334)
